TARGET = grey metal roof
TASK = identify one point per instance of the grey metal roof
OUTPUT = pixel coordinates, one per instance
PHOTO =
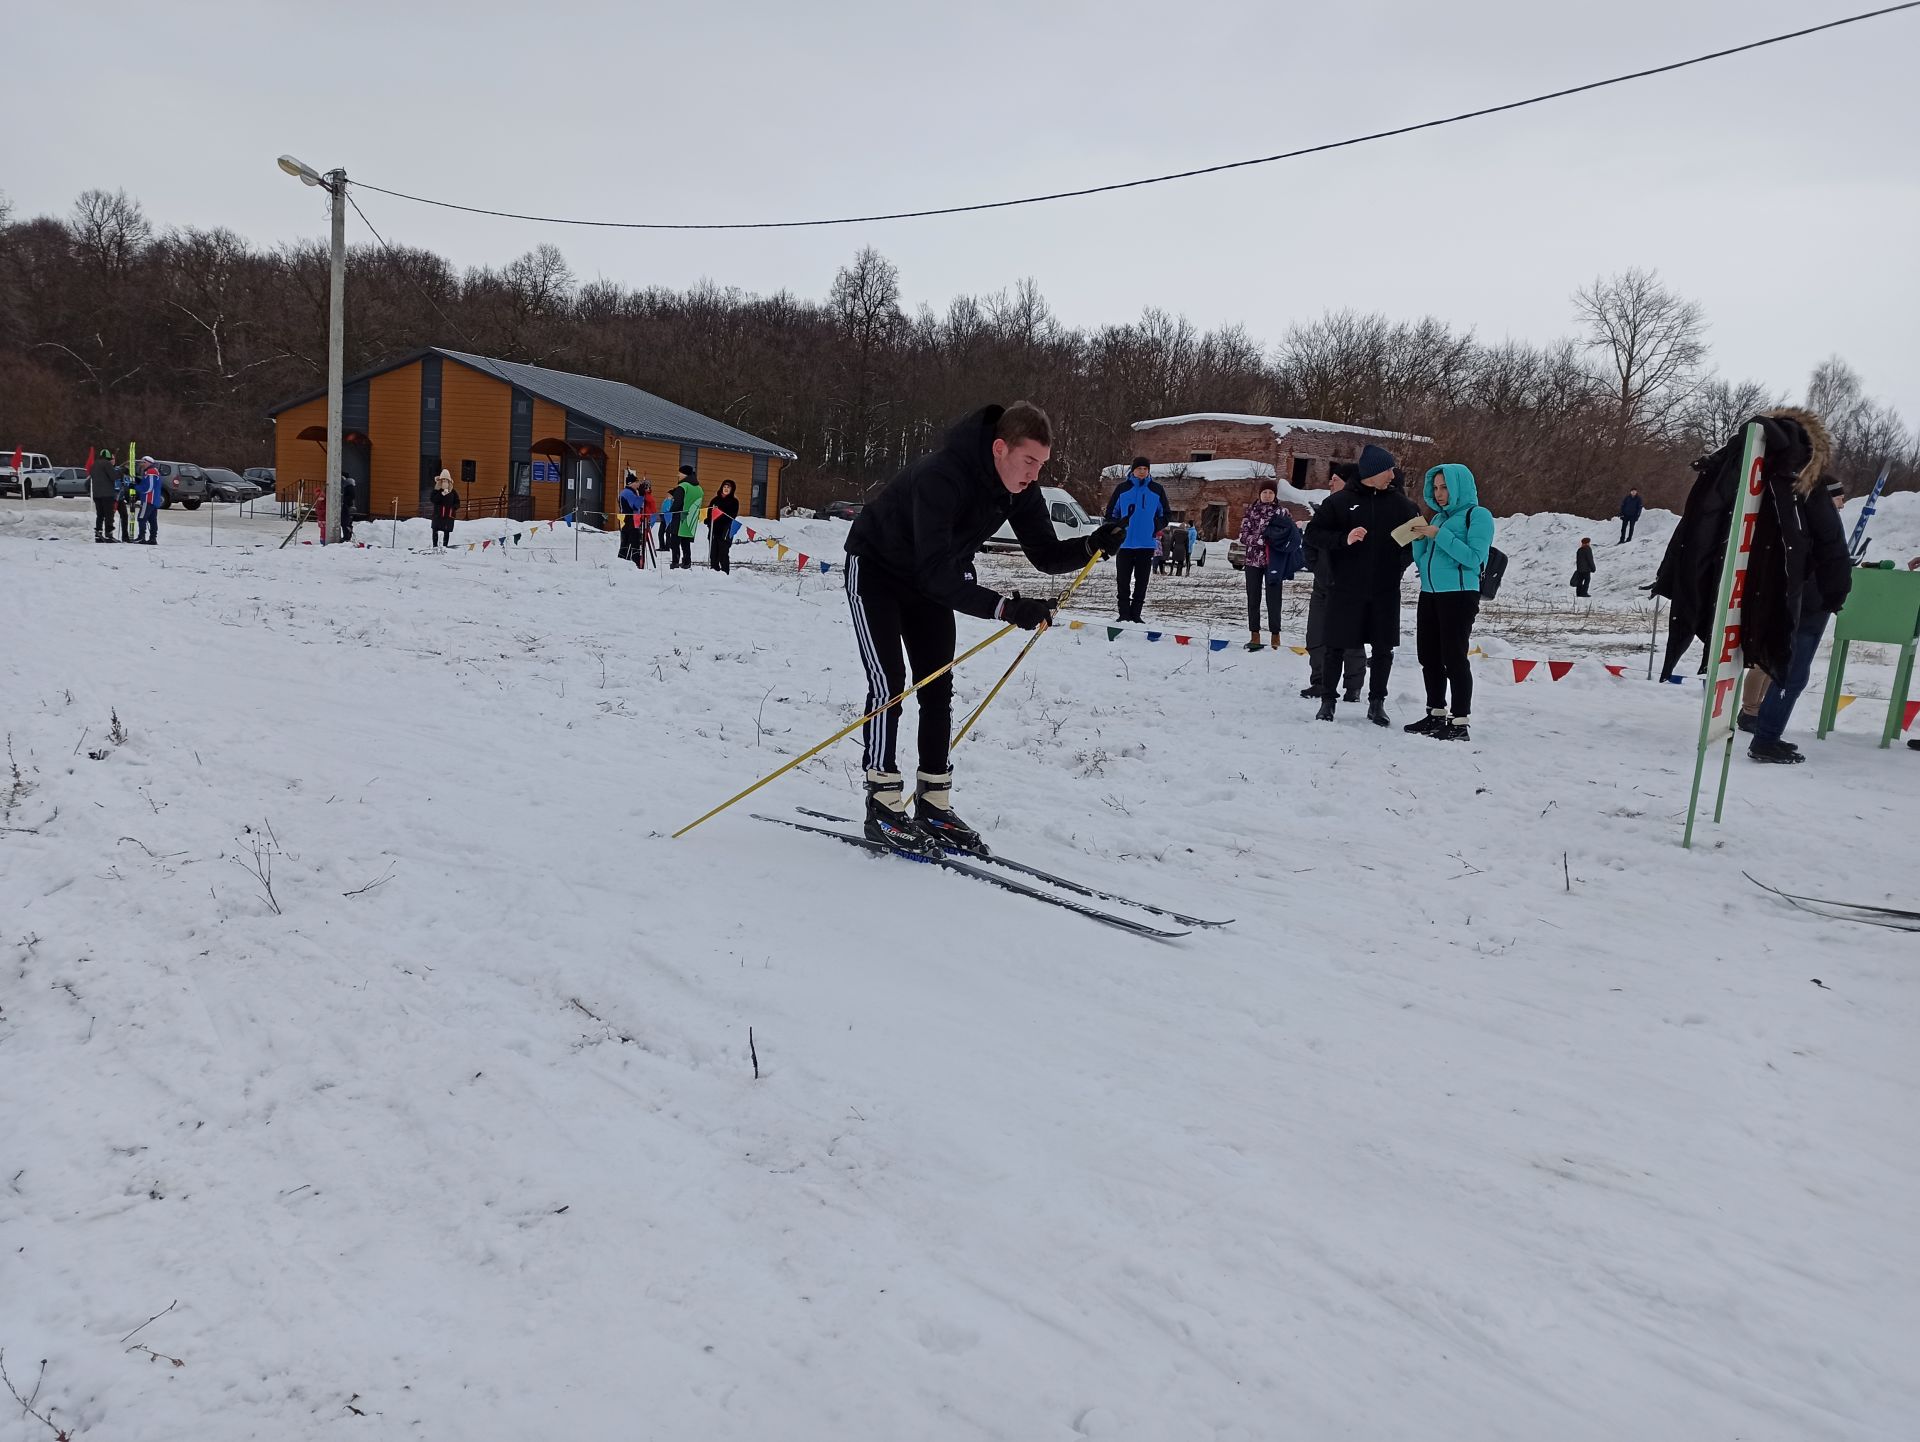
(620, 407)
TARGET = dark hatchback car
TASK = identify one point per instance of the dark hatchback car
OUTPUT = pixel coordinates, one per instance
(225, 485)
(839, 510)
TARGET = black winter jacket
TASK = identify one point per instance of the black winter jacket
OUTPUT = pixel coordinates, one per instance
(1689, 574)
(1583, 561)
(444, 504)
(729, 506)
(100, 482)
(1370, 568)
(927, 522)
(1829, 566)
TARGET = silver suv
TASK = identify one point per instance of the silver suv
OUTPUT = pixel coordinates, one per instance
(184, 482)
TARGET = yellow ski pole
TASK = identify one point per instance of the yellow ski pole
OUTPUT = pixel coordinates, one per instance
(845, 731)
(1039, 631)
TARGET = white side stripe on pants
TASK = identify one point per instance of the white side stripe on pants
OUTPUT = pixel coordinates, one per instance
(874, 757)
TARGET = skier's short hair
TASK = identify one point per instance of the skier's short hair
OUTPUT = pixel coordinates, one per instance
(1024, 421)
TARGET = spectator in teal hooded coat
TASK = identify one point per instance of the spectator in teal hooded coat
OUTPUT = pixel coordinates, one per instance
(1449, 551)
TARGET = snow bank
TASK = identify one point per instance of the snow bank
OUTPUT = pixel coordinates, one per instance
(1279, 425)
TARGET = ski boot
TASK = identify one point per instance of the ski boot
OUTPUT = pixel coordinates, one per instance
(887, 819)
(933, 813)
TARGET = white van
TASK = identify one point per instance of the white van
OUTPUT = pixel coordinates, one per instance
(37, 469)
(1062, 509)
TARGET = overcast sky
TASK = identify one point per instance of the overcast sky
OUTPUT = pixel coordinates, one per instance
(1781, 189)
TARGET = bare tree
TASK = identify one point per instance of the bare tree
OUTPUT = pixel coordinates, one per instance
(1718, 408)
(109, 231)
(1652, 347)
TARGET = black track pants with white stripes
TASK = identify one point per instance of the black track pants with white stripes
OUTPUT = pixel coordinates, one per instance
(890, 619)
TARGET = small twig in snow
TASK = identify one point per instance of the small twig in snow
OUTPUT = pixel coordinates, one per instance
(151, 1320)
(754, 1054)
(379, 881)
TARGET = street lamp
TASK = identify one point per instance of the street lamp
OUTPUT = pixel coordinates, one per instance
(335, 182)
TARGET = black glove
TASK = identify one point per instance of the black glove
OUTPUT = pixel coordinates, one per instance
(1027, 614)
(1106, 539)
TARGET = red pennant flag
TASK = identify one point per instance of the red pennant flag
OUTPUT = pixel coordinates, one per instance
(803, 561)
(750, 534)
(1913, 710)
(1522, 670)
(89, 457)
(1615, 670)
(17, 455)
(1183, 640)
(485, 544)
(1557, 669)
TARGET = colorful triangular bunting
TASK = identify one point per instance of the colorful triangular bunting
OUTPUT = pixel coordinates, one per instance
(1522, 670)
(1557, 669)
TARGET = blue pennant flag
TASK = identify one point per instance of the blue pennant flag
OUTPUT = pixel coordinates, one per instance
(1155, 635)
(825, 566)
(1218, 645)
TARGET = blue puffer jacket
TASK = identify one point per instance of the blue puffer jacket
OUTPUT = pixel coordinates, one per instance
(1143, 506)
(1452, 558)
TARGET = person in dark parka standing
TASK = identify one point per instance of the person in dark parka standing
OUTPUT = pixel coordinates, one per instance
(1583, 567)
(1829, 583)
(1689, 574)
(105, 490)
(722, 511)
(1630, 508)
(1355, 667)
(1354, 535)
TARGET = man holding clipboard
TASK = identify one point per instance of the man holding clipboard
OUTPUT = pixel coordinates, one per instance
(1356, 536)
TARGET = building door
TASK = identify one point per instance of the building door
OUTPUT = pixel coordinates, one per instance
(1213, 524)
(583, 490)
(1302, 469)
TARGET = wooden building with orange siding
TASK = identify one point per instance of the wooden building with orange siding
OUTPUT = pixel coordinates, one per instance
(519, 440)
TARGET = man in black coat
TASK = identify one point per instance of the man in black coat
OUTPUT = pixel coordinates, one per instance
(1630, 509)
(1353, 534)
(1355, 668)
(1829, 582)
(1583, 567)
(910, 567)
(105, 491)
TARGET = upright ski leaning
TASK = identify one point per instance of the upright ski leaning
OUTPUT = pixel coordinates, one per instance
(910, 567)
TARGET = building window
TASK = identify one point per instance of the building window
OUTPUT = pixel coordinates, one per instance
(1199, 455)
(1302, 469)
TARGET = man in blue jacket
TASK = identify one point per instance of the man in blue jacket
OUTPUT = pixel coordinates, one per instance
(151, 494)
(1630, 509)
(1140, 504)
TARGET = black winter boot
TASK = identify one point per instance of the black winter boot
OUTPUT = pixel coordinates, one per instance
(1353, 695)
(1377, 713)
(1454, 730)
(1326, 708)
(933, 812)
(1778, 752)
(1428, 724)
(887, 819)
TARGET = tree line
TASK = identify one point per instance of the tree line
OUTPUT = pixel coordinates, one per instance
(181, 339)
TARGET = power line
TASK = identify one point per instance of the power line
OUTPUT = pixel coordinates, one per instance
(1151, 179)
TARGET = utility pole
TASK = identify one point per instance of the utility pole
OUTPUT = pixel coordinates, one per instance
(335, 182)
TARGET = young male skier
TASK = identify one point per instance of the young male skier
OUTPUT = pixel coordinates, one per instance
(910, 567)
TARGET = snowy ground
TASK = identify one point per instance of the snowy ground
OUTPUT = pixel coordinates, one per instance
(1496, 1114)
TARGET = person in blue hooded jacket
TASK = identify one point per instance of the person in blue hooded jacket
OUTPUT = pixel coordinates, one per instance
(1142, 505)
(1449, 551)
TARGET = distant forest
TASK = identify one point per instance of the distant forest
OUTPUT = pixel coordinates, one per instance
(111, 330)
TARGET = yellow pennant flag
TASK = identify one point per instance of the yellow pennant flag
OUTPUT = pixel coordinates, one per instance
(783, 552)
(1076, 625)
(1844, 702)
(469, 545)
(1298, 650)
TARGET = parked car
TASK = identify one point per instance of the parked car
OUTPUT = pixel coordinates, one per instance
(263, 477)
(184, 482)
(225, 485)
(1068, 516)
(37, 469)
(839, 511)
(70, 481)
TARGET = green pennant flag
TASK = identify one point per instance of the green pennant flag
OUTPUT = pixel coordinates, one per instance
(516, 538)
(1113, 633)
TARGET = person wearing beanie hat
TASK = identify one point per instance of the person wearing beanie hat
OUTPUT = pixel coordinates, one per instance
(1353, 535)
(1140, 505)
